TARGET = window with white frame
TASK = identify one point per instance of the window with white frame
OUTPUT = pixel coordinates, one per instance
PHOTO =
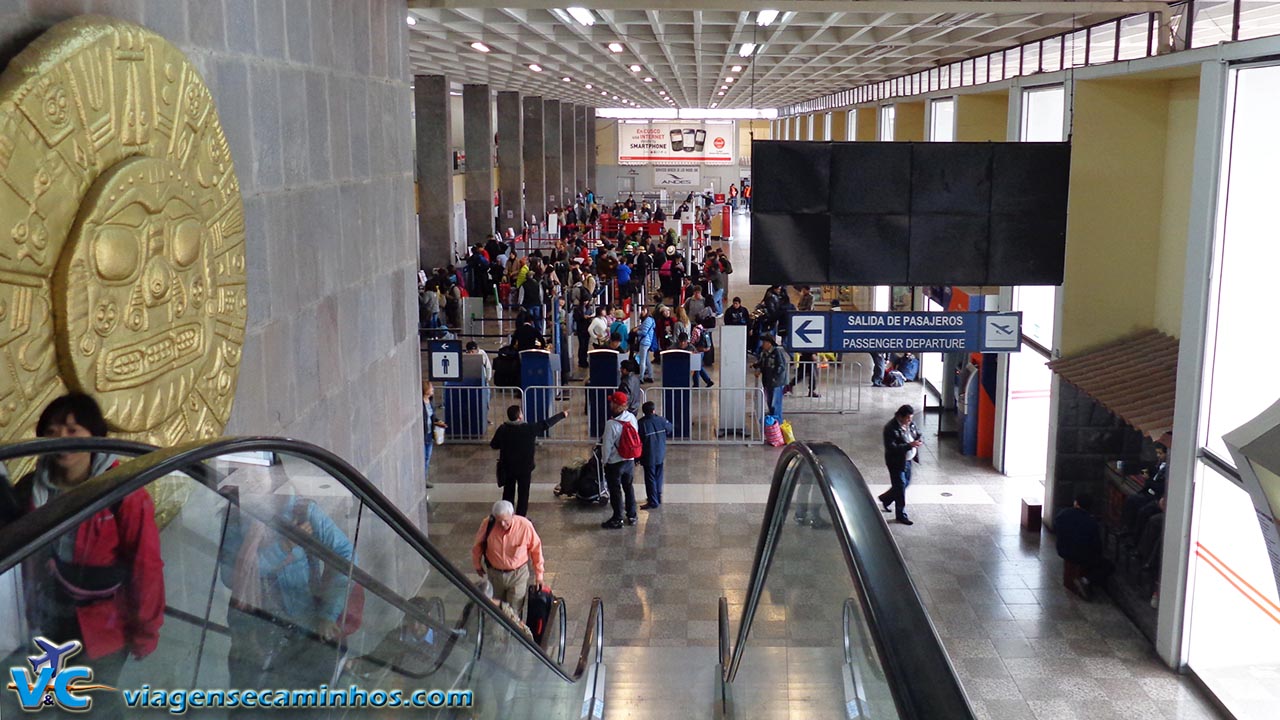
(942, 120)
(887, 115)
(1044, 114)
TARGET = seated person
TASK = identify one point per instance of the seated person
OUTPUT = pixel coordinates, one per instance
(1139, 507)
(906, 368)
(1150, 542)
(1080, 542)
(407, 650)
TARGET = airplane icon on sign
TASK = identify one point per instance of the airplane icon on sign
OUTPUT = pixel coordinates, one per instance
(1002, 332)
(55, 656)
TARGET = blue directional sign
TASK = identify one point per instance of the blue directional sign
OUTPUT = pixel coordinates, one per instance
(446, 359)
(917, 332)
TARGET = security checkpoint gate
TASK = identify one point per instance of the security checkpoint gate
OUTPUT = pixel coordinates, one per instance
(715, 415)
(825, 386)
(472, 411)
(701, 405)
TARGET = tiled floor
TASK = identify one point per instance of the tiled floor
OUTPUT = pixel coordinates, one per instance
(1022, 645)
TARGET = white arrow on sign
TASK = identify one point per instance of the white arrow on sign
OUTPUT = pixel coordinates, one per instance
(808, 332)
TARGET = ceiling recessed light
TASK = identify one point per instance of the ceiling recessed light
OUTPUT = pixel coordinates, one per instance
(736, 68)
(584, 16)
(648, 79)
(588, 86)
(603, 92)
(615, 47)
(635, 68)
(615, 97)
(411, 21)
(763, 18)
(724, 87)
(747, 49)
(714, 104)
(480, 47)
(720, 93)
(662, 92)
(535, 67)
(728, 79)
(566, 78)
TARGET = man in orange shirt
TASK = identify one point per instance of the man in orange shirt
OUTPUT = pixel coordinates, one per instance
(505, 545)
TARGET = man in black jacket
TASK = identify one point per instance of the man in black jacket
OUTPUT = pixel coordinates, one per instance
(902, 443)
(736, 314)
(1140, 506)
(515, 441)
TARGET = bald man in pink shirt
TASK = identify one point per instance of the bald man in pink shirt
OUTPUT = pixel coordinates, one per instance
(505, 546)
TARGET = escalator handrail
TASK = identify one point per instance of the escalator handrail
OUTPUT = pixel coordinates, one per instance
(918, 671)
(21, 539)
(129, 448)
(556, 616)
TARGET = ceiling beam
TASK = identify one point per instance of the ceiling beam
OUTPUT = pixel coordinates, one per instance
(901, 7)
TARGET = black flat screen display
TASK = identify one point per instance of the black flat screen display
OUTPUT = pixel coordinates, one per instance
(853, 213)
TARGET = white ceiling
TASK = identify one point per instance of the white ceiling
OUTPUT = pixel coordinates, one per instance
(689, 53)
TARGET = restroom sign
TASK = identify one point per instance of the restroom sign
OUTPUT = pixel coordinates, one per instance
(446, 360)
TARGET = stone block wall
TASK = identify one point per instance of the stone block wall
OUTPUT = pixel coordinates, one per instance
(1089, 436)
(314, 98)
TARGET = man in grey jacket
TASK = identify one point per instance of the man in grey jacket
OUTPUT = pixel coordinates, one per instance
(618, 471)
(774, 373)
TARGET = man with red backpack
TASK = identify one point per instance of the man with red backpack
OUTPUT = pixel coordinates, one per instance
(620, 447)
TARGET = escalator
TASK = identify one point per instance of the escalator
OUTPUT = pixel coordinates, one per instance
(284, 569)
(831, 625)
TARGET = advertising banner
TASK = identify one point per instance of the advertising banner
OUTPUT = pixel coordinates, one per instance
(677, 176)
(677, 142)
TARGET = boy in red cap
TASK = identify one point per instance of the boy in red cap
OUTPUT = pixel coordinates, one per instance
(619, 463)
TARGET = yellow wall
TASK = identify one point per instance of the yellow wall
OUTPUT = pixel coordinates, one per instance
(1127, 209)
(839, 125)
(868, 116)
(762, 131)
(1184, 98)
(908, 121)
(982, 118)
(805, 122)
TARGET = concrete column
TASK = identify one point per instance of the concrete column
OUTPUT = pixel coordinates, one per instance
(535, 167)
(551, 153)
(592, 163)
(510, 161)
(568, 151)
(434, 170)
(582, 153)
(477, 129)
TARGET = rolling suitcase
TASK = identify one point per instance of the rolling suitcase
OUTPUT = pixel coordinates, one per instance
(591, 487)
(538, 611)
(583, 479)
(569, 476)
